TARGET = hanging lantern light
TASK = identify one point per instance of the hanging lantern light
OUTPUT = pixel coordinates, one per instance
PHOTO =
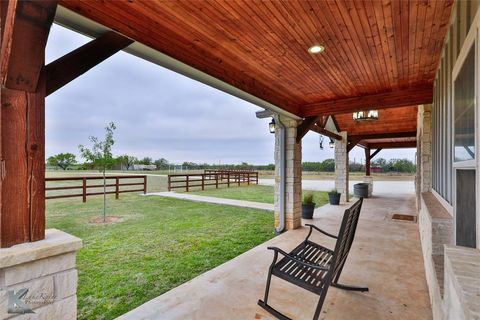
(365, 115)
(271, 126)
(331, 143)
(320, 142)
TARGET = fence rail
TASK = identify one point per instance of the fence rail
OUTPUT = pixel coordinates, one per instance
(211, 178)
(84, 186)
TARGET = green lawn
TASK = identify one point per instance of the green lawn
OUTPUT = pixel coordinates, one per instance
(256, 193)
(160, 244)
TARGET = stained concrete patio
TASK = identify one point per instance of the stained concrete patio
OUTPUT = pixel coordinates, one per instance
(385, 256)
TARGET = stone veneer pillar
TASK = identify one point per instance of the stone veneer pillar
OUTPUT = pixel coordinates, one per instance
(426, 149)
(341, 167)
(293, 172)
(47, 269)
(423, 179)
(369, 180)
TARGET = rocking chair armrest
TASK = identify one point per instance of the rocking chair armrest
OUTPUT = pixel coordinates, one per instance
(289, 256)
(319, 230)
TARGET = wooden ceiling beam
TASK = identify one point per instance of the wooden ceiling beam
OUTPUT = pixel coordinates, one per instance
(392, 145)
(25, 29)
(305, 126)
(408, 134)
(74, 64)
(352, 142)
(394, 99)
(326, 133)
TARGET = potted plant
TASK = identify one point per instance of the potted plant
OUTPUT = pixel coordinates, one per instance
(308, 206)
(334, 197)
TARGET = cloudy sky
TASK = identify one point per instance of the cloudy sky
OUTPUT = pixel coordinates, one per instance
(161, 114)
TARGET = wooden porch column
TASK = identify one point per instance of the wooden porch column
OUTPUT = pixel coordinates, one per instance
(367, 161)
(24, 28)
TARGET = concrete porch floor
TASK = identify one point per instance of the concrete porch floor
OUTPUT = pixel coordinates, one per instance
(385, 256)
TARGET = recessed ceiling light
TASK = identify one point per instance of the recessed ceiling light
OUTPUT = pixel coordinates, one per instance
(316, 49)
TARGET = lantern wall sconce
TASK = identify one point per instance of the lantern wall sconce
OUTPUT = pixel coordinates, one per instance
(331, 143)
(271, 126)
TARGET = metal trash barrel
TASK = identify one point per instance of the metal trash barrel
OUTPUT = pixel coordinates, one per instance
(360, 190)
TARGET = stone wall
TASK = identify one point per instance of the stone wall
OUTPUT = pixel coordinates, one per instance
(462, 283)
(436, 231)
(341, 167)
(293, 161)
(47, 269)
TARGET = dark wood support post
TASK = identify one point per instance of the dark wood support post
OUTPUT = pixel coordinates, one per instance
(367, 161)
(25, 28)
(375, 153)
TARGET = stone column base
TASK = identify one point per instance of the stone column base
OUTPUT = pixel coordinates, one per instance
(46, 269)
(369, 180)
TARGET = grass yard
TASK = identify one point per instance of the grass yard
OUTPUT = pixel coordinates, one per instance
(160, 244)
(256, 193)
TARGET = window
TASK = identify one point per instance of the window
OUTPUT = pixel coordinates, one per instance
(464, 110)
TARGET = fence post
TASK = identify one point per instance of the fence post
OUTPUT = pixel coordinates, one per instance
(84, 189)
(228, 179)
(238, 178)
(216, 181)
(256, 176)
(145, 184)
(116, 188)
(169, 183)
(248, 178)
(187, 181)
(203, 182)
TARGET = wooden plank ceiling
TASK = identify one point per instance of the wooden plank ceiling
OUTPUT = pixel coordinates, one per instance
(383, 51)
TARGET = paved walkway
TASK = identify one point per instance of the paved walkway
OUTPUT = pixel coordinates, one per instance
(379, 187)
(229, 202)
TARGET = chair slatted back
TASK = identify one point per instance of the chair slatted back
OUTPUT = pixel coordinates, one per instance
(345, 237)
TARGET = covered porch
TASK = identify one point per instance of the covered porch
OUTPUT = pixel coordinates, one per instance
(386, 256)
(371, 56)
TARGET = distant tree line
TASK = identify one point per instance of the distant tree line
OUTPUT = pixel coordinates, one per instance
(377, 165)
(68, 160)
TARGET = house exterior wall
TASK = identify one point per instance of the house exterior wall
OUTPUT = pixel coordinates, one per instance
(435, 180)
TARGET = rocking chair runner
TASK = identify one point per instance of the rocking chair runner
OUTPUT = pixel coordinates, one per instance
(314, 267)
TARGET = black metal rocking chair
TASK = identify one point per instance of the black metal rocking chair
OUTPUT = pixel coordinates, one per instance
(314, 267)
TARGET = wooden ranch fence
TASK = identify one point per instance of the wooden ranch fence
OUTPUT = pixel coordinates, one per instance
(84, 186)
(212, 178)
